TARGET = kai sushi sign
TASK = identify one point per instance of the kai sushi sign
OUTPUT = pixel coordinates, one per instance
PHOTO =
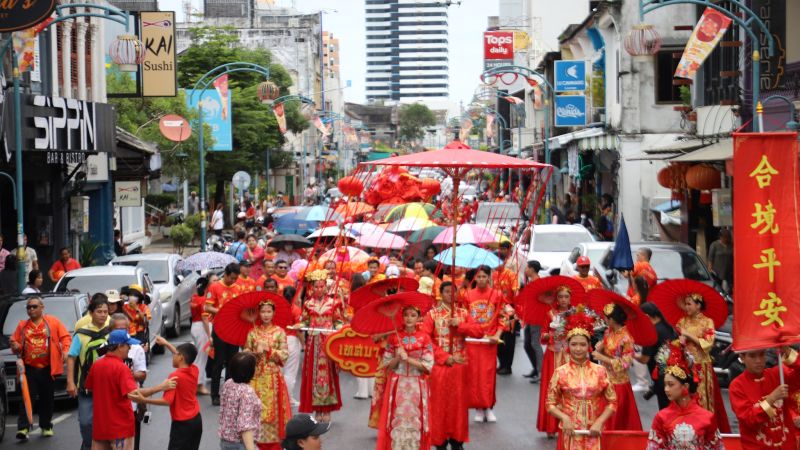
(159, 77)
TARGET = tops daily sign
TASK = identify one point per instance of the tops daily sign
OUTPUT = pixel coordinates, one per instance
(498, 45)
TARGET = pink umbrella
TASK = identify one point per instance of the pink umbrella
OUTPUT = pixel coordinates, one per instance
(382, 239)
(468, 234)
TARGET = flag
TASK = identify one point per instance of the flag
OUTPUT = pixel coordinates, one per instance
(621, 258)
(513, 100)
(707, 33)
(321, 126)
(280, 116)
(25, 48)
(221, 85)
(490, 125)
(537, 97)
(466, 126)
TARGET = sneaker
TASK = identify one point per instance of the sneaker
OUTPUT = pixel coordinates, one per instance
(649, 394)
(640, 388)
(480, 416)
(47, 432)
(22, 434)
(215, 401)
(490, 417)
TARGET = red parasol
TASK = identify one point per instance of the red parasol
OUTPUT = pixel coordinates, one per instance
(457, 154)
(670, 295)
(26, 393)
(386, 314)
(538, 297)
(371, 291)
(238, 316)
(638, 324)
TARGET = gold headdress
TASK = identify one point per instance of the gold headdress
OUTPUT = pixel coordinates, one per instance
(608, 309)
(580, 324)
(317, 275)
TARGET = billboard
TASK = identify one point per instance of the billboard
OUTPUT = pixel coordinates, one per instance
(217, 114)
(159, 77)
(570, 110)
(498, 45)
(570, 76)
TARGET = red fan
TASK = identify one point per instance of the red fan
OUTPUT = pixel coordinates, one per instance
(371, 291)
(670, 295)
(238, 316)
(638, 324)
(537, 298)
(386, 314)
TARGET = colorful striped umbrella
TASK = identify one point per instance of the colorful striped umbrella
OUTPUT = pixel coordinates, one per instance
(409, 224)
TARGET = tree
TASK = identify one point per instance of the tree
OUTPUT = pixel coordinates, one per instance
(413, 120)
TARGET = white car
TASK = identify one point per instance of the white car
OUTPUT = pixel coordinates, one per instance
(174, 290)
(595, 251)
(552, 244)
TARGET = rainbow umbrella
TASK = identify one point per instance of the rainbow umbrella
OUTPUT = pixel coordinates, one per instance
(425, 234)
(413, 210)
(409, 224)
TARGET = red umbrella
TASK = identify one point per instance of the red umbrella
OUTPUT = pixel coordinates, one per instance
(638, 324)
(670, 295)
(538, 297)
(26, 393)
(386, 314)
(456, 154)
(371, 291)
(238, 316)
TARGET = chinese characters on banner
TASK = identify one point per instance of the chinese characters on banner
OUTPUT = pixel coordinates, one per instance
(766, 240)
(707, 33)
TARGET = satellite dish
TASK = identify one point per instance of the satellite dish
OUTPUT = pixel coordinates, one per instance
(175, 128)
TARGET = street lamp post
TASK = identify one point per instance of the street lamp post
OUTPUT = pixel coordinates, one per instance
(201, 85)
(63, 13)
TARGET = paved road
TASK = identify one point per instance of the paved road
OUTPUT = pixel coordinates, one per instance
(515, 429)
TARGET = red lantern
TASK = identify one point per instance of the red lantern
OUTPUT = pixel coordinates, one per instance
(665, 177)
(350, 186)
(703, 178)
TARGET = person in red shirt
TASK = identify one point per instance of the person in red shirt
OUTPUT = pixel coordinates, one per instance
(113, 387)
(184, 409)
(63, 265)
(589, 282)
(642, 268)
(245, 282)
(138, 312)
(269, 271)
(41, 343)
(218, 294)
(282, 275)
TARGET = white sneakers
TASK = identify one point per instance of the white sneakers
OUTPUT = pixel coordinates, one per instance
(485, 415)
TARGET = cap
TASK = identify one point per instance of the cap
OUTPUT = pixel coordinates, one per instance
(241, 215)
(113, 296)
(302, 426)
(392, 271)
(118, 337)
(425, 285)
(245, 263)
(137, 288)
(583, 261)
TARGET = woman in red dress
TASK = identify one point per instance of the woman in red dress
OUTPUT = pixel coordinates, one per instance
(615, 353)
(405, 414)
(485, 306)
(684, 423)
(319, 389)
(554, 356)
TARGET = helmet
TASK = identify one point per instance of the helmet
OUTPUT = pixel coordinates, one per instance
(583, 261)
(241, 215)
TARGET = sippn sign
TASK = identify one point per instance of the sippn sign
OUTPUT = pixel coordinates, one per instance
(498, 45)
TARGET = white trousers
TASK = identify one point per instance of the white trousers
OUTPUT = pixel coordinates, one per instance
(365, 387)
(292, 363)
(199, 338)
(640, 375)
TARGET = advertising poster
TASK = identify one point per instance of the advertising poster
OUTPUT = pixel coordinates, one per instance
(216, 115)
(705, 37)
(570, 110)
(159, 77)
(570, 76)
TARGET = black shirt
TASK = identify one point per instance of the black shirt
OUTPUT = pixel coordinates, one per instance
(665, 334)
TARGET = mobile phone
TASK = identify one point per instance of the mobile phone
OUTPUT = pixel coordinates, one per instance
(146, 418)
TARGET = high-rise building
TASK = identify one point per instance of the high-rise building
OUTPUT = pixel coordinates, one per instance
(406, 50)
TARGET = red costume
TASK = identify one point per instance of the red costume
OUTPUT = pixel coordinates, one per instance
(449, 383)
(676, 428)
(554, 356)
(618, 345)
(319, 390)
(589, 282)
(485, 308)
(763, 426)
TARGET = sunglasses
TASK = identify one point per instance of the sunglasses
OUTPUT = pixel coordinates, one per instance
(30, 307)
(283, 267)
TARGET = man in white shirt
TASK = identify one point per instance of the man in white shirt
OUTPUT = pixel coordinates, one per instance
(218, 220)
(31, 259)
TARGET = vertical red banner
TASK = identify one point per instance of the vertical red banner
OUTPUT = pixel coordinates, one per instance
(766, 240)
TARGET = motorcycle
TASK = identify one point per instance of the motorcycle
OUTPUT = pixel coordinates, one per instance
(219, 243)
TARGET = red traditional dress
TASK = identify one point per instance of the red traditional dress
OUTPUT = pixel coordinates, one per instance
(589, 282)
(485, 308)
(679, 428)
(319, 390)
(405, 418)
(582, 391)
(449, 383)
(618, 345)
(554, 356)
(708, 393)
(268, 382)
(377, 391)
(763, 426)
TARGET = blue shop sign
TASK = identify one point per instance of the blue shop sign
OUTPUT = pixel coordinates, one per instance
(570, 76)
(570, 110)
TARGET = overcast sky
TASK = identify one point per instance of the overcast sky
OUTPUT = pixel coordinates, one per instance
(345, 19)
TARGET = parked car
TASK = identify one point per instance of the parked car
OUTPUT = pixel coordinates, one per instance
(68, 308)
(670, 261)
(174, 290)
(595, 252)
(551, 244)
(498, 215)
(91, 280)
(3, 401)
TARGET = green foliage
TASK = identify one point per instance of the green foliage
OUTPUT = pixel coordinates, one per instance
(160, 201)
(193, 222)
(88, 249)
(686, 95)
(413, 120)
(181, 235)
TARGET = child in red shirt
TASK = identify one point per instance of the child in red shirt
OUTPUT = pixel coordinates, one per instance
(187, 425)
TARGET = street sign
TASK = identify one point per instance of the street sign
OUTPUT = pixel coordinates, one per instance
(570, 76)
(16, 15)
(127, 193)
(570, 110)
(241, 180)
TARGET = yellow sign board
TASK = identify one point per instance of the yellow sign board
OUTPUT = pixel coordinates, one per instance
(159, 76)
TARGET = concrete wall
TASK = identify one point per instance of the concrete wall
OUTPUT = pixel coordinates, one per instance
(792, 31)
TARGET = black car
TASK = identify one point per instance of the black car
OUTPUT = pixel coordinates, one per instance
(68, 308)
(3, 403)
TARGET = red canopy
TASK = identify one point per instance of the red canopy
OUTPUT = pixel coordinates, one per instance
(457, 154)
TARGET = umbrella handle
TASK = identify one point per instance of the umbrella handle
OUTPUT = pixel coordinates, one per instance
(317, 330)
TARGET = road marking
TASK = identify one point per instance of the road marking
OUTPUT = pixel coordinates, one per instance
(38, 430)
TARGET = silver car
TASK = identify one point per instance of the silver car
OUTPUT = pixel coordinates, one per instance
(174, 290)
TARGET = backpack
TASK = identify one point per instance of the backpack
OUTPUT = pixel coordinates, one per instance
(237, 250)
(94, 349)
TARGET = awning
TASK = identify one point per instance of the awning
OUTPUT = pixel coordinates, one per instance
(669, 151)
(599, 143)
(718, 151)
(564, 139)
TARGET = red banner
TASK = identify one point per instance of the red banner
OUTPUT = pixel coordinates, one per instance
(353, 352)
(498, 45)
(280, 116)
(637, 440)
(766, 240)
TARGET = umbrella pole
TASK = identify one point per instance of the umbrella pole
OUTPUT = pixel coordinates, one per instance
(780, 366)
(456, 183)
